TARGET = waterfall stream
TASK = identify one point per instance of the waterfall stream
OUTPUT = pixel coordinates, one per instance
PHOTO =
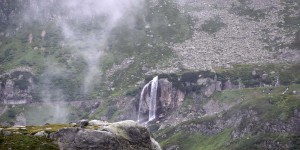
(148, 99)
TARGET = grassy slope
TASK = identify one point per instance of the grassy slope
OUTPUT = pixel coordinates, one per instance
(26, 141)
(271, 107)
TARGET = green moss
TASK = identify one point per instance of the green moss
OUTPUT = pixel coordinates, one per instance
(287, 73)
(213, 25)
(198, 141)
(25, 142)
(257, 141)
(49, 128)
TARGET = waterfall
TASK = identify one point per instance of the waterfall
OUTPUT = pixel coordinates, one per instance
(148, 100)
(153, 97)
(142, 97)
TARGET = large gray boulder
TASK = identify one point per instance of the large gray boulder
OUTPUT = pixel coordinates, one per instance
(125, 135)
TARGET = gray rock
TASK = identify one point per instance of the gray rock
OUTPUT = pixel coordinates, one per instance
(127, 135)
(83, 123)
(172, 147)
(210, 90)
(7, 133)
(228, 85)
(218, 86)
(264, 76)
(21, 119)
(95, 122)
(41, 134)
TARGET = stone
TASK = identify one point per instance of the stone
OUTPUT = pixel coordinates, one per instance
(202, 81)
(96, 105)
(41, 134)
(127, 135)
(228, 85)
(166, 93)
(21, 119)
(210, 90)
(73, 124)
(264, 76)
(95, 122)
(218, 86)
(254, 72)
(19, 133)
(83, 123)
(7, 133)
(48, 129)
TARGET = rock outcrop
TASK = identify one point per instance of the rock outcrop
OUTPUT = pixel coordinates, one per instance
(16, 86)
(127, 135)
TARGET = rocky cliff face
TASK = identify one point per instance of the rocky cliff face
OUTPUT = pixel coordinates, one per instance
(175, 89)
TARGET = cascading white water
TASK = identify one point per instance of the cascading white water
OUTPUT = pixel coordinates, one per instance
(145, 88)
(148, 99)
(153, 97)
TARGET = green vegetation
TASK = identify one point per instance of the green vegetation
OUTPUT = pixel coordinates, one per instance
(287, 74)
(25, 139)
(167, 23)
(145, 42)
(10, 115)
(243, 9)
(48, 128)
(198, 141)
(163, 22)
(256, 142)
(291, 21)
(25, 142)
(270, 105)
(213, 25)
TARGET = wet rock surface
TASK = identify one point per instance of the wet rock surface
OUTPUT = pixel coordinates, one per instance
(111, 136)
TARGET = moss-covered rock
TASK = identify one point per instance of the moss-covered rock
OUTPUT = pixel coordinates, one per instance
(121, 135)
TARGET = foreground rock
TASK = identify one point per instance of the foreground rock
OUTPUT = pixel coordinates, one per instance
(127, 135)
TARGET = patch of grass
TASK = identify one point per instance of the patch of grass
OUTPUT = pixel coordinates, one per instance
(257, 141)
(198, 141)
(25, 142)
(243, 9)
(11, 114)
(168, 23)
(271, 106)
(49, 128)
(213, 25)
(228, 96)
(287, 73)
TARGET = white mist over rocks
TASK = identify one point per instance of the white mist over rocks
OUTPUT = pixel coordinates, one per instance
(110, 13)
(86, 27)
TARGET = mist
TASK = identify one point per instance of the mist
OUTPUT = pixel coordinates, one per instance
(71, 17)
